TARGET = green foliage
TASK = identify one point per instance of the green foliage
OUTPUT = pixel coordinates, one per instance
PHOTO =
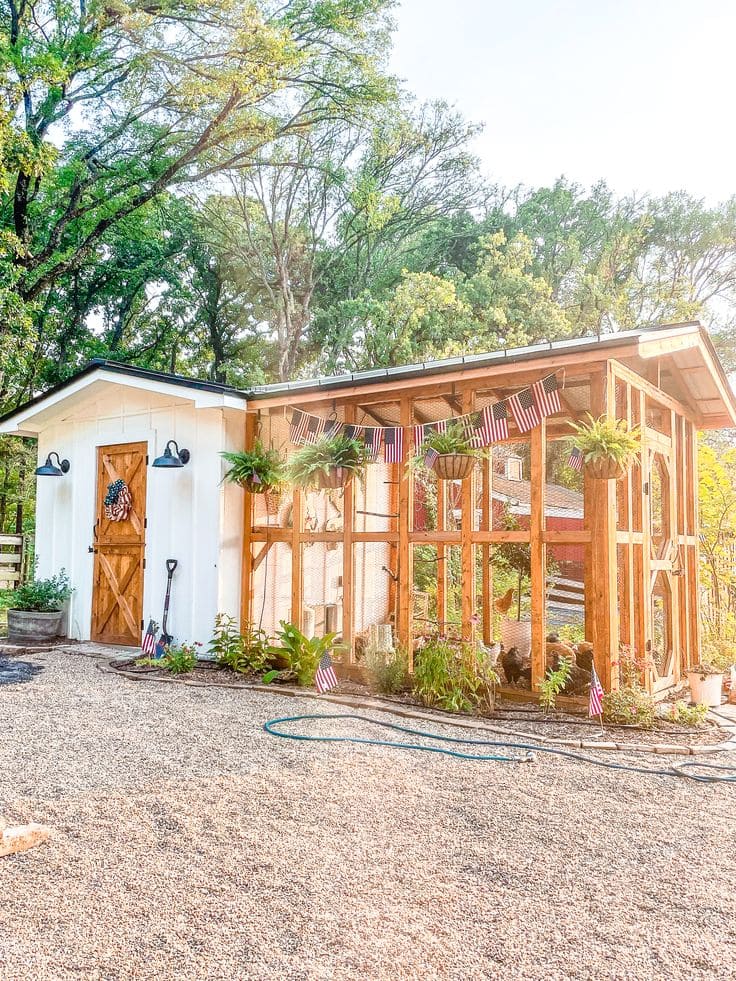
(301, 653)
(267, 465)
(629, 706)
(454, 677)
(452, 440)
(607, 438)
(388, 672)
(42, 595)
(554, 682)
(687, 715)
(312, 461)
(178, 659)
(717, 504)
(245, 653)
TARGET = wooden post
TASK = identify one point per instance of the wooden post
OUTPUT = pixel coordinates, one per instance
(246, 574)
(538, 454)
(442, 553)
(695, 599)
(405, 564)
(600, 510)
(487, 575)
(467, 557)
(348, 504)
(297, 512)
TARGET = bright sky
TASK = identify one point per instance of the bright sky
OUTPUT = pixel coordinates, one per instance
(638, 92)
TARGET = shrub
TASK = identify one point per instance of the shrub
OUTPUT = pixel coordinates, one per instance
(553, 683)
(630, 705)
(687, 715)
(179, 659)
(311, 462)
(42, 595)
(301, 653)
(244, 652)
(388, 671)
(454, 677)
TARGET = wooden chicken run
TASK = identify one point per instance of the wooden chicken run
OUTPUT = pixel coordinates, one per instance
(528, 544)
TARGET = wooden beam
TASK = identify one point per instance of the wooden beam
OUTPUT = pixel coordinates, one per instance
(467, 557)
(626, 374)
(246, 567)
(348, 558)
(297, 513)
(486, 521)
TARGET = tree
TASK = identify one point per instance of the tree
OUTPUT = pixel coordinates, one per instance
(717, 502)
(107, 106)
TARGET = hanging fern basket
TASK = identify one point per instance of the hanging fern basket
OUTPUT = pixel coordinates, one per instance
(605, 468)
(273, 501)
(334, 477)
(454, 466)
(254, 488)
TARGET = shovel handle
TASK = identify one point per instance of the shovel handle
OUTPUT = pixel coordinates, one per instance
(171, 564)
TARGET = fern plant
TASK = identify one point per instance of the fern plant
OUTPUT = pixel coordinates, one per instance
(315, 461)
(454, 439)
(257, 468)
(610, 439)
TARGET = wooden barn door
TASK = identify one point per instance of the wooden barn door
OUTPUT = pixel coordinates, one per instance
(117, 599)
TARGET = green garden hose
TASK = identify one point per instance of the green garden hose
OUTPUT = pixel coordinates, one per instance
(272, 727)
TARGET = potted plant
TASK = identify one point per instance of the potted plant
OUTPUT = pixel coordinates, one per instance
(456, 455)
(259, 471)
(37, 608)
(705, 682)
(609, 446)
(329, 463)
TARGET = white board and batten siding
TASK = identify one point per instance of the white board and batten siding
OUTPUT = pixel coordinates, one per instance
(193, 515)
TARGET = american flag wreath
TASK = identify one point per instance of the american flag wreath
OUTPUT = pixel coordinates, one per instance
(118, 501)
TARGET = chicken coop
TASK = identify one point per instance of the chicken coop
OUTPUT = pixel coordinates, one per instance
(529, 544)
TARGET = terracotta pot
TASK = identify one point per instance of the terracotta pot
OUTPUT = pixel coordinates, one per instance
(454, 466)
(25, 626)
(335, 477)
(605, 468)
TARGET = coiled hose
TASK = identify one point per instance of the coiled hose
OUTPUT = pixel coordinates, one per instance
(273, 728)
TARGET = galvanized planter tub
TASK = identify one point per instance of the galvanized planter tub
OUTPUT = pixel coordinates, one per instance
(29, 626)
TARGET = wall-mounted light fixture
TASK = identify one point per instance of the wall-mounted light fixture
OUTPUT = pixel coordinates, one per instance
(50, 469)
(172, 458)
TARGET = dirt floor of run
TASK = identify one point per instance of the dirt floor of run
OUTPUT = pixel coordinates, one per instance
(190, 844)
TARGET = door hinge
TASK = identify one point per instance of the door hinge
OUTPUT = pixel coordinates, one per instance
(141, 625)
(145, 522)
(144, 563)
(146, 459)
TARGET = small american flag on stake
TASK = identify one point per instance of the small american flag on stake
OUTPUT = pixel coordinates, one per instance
(524, 410)
(429, 457)
(575, 460)
(595, 705)
(325, 678)
(547, 395)
(149, 640)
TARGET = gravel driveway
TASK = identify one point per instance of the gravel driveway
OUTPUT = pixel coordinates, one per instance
(189, 844)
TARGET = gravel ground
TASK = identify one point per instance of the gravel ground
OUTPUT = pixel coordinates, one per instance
(188, 844)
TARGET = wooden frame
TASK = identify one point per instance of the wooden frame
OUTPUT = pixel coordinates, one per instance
(613, 540)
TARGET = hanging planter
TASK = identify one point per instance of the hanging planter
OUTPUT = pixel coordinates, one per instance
(274, 498)
(450, 454)
(259, 471)
(328, 464)
(454, 466)
(609, 447)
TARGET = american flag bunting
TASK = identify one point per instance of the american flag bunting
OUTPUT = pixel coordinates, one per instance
(494, 423)
(393, 445)
(373, 436)
(298, 426)
(419, 433)
(524, 410)
(595, 705)
(546, 394)
(315, 429)
(325, 679)
(355, 432)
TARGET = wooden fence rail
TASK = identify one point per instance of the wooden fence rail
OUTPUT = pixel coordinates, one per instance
(14, 560)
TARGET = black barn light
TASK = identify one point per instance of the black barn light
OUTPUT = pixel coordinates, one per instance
(50, 469)
(172, 458)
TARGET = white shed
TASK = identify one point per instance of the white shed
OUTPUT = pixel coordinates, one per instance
(110, 422)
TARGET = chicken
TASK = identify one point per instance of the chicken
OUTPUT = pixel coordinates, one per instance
(584, 655)
(556, 650)
(513, 664)
(503, 603)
